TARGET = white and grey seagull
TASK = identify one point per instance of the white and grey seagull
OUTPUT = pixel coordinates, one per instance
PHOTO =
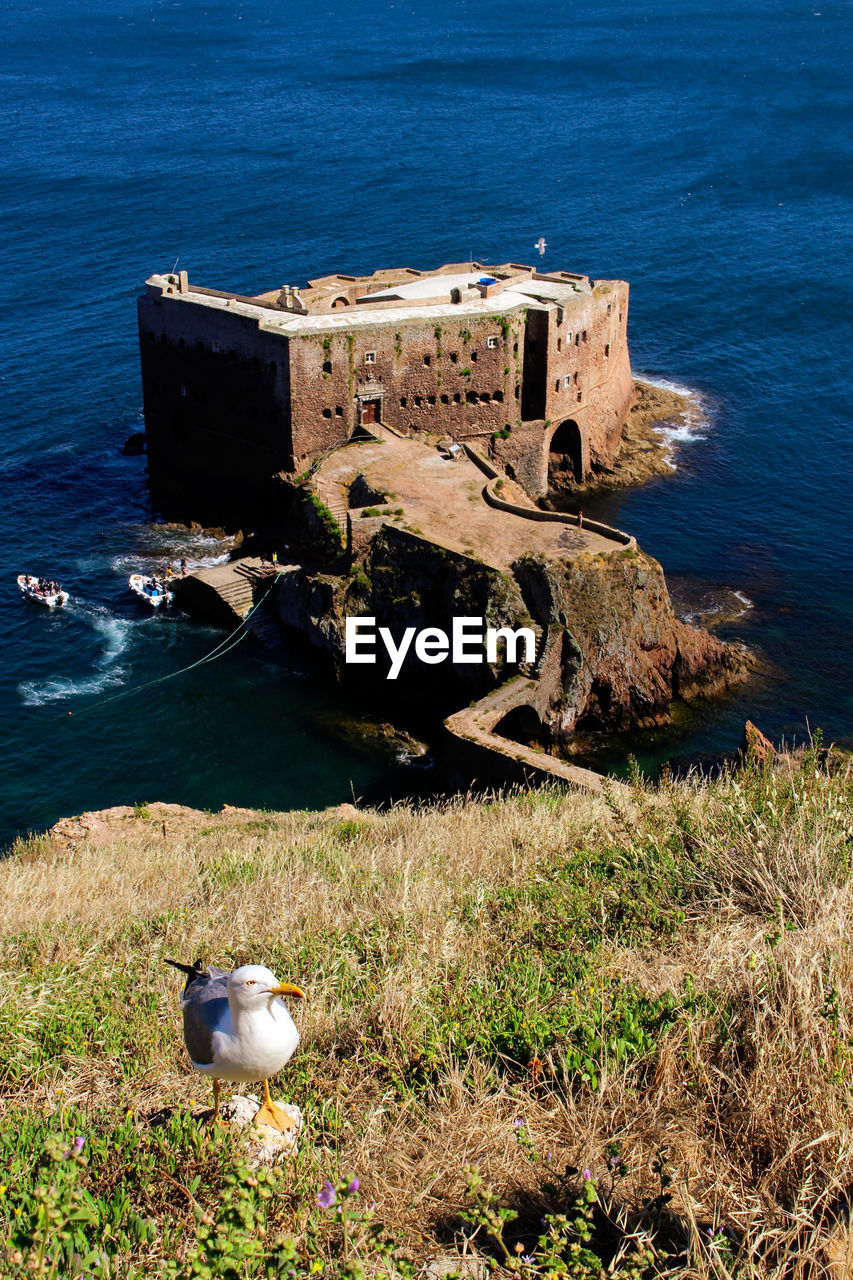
(237, 1027)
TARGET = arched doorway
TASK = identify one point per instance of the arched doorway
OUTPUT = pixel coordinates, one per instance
(565, 455)
(340, 302)
(521, 724)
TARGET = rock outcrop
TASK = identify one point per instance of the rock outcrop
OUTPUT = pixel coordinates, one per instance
(618, 656)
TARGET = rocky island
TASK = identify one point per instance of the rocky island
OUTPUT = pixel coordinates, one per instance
(391, 440)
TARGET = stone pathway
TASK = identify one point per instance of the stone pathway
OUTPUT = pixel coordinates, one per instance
(443, 500)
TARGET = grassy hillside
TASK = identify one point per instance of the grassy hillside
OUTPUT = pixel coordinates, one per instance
(560, 1034)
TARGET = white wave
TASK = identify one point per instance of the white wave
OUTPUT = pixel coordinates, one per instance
(108, 672)
(744, 599)
(127, 564)
(37, 693)
(694, 421)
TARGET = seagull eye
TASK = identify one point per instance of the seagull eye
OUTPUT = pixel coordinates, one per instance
(250, 982)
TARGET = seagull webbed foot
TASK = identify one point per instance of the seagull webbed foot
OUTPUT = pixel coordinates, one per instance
(276, 1117)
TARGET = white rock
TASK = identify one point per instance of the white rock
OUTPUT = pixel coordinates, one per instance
(468, 1268)
(266, 1146)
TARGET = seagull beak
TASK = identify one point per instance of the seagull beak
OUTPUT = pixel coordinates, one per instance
(287, 989)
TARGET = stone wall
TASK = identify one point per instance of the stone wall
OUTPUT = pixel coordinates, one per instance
(448, 377)
(217, 409)
(230, 400)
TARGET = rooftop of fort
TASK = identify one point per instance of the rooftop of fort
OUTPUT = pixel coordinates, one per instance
(391, 295)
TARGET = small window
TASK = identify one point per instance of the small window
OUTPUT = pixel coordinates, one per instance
(403, 402)
(515, 347)
(427, 359)
(517, 392)
(339, 413)
(606, 350)
(609, 307)
(457, 399)
(418, 401)
(471, 397)
(584, 335)
(568, 337)
(327, 413)
(559, 344)
(473, 357)
(454, 356)
(557, 385)
(580, 397)
(560, 315)
(491, 343)
(577, 339)
(370, 357)
(567, 381)
(445, 399)
(485, 397)
(431, 399)
(499, 396)
(327, 366)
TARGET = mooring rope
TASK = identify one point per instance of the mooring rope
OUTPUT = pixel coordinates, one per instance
(218, 651)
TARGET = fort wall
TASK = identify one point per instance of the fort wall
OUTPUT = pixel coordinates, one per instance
(534, 367)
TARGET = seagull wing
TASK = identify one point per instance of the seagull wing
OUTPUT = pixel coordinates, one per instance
(205, 1006)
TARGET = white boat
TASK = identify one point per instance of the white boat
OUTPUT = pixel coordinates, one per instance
(152, 590)
(42, 590)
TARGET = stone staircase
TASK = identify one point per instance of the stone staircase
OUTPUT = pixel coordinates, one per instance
(533, 669)
(333, 497)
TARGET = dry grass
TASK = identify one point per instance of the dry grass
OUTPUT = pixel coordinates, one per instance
(462, 963)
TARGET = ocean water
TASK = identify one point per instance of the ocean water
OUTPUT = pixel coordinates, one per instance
(700, 150)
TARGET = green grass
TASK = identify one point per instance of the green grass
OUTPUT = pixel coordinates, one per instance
(606, 1036)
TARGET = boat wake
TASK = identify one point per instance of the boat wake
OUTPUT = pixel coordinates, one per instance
(109, 672)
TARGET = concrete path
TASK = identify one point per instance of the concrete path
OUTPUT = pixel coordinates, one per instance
(443, 500)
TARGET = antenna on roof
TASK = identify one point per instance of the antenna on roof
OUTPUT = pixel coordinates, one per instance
(541, 245)
(177, 260)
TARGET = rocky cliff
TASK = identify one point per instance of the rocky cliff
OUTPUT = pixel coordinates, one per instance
(613, 655)
(618, 657)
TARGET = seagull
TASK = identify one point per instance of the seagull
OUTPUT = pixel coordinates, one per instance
(541, 244)
(236, 1027)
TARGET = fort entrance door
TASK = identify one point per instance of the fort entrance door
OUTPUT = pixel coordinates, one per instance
(369, 411)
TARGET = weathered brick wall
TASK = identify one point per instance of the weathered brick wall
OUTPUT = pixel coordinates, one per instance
(228, 403)
(217, 406)
(439, 376)
(588, 381)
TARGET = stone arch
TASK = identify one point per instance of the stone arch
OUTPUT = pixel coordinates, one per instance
(340, 302)
(521, 724)
(565, 453)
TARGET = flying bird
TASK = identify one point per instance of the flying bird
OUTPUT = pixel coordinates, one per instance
(237, 1027)
(541, 244)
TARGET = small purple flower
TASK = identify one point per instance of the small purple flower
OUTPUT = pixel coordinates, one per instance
(79, 1143)
(328, 1196)
(351, 1189)
(614, 1160)
(548, 1156)
(528, 1258)
(587, 1175)
(518, 1123)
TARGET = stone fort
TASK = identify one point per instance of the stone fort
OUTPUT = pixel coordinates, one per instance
(240, 391)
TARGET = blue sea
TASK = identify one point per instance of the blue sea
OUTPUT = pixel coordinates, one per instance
(700, 150)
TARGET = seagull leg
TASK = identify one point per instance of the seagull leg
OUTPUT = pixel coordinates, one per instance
(272, 1115)
(216, 1087)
